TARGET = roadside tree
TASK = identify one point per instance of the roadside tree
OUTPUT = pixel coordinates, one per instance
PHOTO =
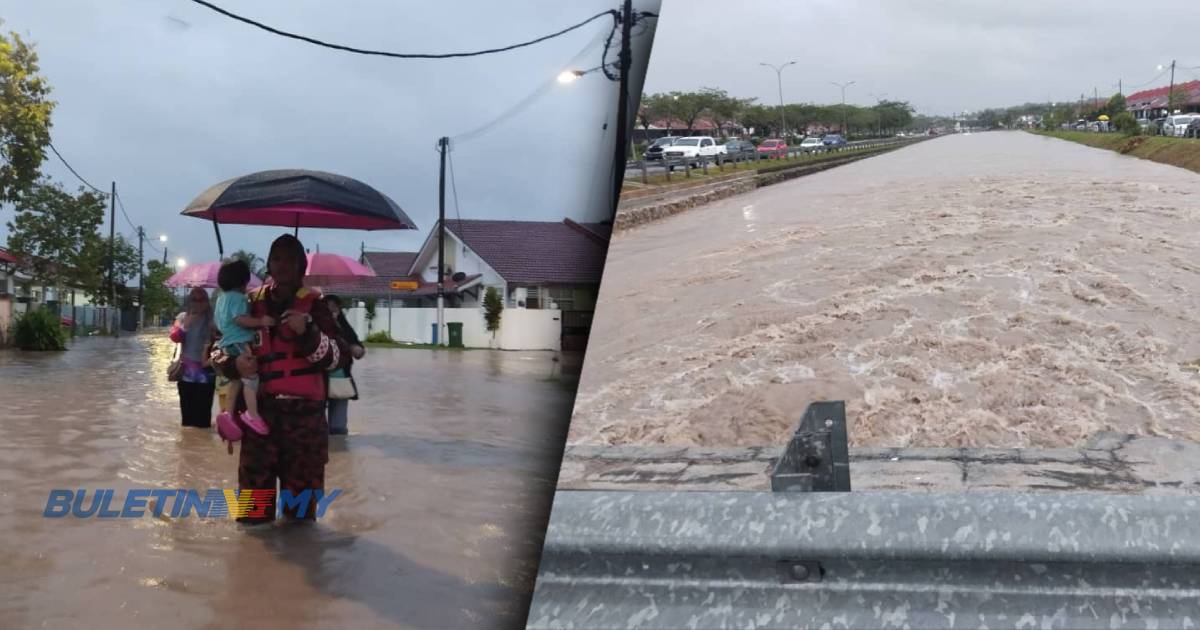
(24, 117)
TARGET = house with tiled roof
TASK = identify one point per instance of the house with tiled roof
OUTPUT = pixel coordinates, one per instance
(392, 267)
(547, 274)
(1153, 103)
(532, 264)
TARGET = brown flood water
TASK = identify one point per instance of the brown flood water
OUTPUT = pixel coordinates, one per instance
(997, 289)
(446, 481)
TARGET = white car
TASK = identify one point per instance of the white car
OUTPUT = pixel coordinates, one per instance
(812, 145)
(694, 147)
(1176, 125)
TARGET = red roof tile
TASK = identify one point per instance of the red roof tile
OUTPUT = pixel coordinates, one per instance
(390, 263)
(537, 252)
(1157, 97)
(8, 257)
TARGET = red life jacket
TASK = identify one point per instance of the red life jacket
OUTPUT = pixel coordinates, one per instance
(282, 370)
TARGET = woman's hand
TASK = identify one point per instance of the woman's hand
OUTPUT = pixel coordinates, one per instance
(357, 351)
(296, 320)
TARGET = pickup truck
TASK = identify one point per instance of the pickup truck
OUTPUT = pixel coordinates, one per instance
(692, 148)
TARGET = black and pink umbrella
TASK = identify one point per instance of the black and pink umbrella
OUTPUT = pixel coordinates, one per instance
(298, 198)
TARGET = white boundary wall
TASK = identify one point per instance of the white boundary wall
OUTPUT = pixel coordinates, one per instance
(520, 329)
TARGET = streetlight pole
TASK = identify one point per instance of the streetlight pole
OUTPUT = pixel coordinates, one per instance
(779, 79)
(162, 238)
(112, 281)
(845, 131)
(141, 277)
(878, 112)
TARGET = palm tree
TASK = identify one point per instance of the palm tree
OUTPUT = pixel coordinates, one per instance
(254, 261)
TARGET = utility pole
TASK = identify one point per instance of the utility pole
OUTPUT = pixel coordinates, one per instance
(779, 79)
(879, 111)
(625, 61)
(112, 259)
(141, 308)
(845, 131)
(164, 254)
(1120, 87)
(441, 273)
(1171, 88)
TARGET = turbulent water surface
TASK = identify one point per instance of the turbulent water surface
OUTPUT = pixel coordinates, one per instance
(997, 289)
(446, 481)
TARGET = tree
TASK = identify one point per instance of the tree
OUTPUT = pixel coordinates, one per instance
(1126, 124)
(760, 118)
(157, 299)
(723, 108)
(492, 308)
(252, 260)
(24, 117)
(56, 234)
(1176, 100)
(690, 106)
(1116, 105)
(124, 257)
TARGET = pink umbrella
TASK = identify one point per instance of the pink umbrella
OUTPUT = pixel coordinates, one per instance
(324, 268)
(326, 265)
(203, 275)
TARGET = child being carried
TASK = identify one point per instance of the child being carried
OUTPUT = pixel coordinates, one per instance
(237, 332)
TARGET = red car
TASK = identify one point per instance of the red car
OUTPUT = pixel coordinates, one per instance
(773, 147)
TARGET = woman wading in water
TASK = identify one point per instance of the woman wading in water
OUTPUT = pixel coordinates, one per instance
(292, 358)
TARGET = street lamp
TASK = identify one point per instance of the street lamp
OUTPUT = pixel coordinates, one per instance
(162, 238)
(180, 264)
(569, 76)
(845, 132)
(779, 79)
(878, 112)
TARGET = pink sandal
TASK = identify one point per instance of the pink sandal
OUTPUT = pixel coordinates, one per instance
(256, 423)
(227, 428)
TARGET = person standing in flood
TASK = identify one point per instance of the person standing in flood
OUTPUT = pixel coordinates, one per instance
(292, 359)
(193, 328)
(339, 407)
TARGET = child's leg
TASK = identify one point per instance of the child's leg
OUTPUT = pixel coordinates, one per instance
(251, 394)
(251, 387)
(231, 396)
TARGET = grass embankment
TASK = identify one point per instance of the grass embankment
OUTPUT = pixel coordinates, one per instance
(1181, 152)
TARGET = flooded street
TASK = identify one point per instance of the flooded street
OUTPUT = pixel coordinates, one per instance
(997, 289)
(446, 480)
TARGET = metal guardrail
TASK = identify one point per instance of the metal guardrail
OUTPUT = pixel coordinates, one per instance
(869, 560)
(721, 160)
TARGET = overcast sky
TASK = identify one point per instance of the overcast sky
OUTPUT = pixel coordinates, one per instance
(167, 98)
(942, 56)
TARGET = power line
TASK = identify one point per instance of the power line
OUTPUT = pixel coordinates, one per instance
(74, 172)
(381, 53)
(1160, 75)
(524, 103)
(454, 186)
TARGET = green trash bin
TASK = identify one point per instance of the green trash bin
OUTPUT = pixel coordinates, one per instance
(454, 335)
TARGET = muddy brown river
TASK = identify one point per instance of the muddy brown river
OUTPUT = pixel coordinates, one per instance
(996, 289)
(446, 480)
